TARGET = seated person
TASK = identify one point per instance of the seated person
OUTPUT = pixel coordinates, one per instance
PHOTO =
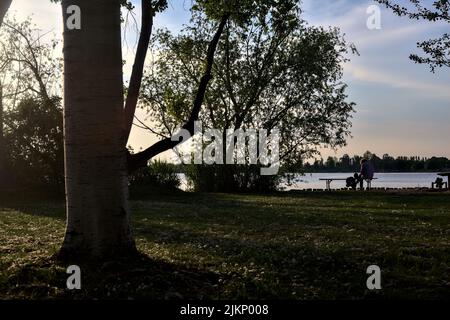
(367, 172)
(439, 183)
(352, 182)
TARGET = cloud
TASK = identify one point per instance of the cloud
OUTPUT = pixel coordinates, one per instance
(396, 80)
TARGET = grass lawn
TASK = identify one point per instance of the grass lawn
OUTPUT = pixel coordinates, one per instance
(287, 246)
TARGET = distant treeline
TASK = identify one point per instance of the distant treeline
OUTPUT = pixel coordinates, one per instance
(386, 163)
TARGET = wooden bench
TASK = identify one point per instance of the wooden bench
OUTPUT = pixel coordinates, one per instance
(434, 185)
(328, 182)
(445, 174)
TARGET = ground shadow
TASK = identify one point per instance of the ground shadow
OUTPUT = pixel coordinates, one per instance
(133, 278)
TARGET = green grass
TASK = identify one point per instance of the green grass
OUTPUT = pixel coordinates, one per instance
(288, 246)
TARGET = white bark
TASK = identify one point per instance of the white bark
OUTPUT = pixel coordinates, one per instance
(2, 143)
(95, 159)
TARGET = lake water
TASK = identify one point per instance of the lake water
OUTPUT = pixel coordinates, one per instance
(384, 180)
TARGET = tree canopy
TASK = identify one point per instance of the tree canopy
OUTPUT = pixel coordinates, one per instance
(31, 122)
(270, 71)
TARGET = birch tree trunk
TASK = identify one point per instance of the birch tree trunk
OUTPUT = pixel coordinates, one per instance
(98, 223)
(4, 6)
(2, 144)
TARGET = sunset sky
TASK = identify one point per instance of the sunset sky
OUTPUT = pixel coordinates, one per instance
(402, 108)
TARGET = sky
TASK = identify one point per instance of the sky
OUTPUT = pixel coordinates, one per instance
(401, 108)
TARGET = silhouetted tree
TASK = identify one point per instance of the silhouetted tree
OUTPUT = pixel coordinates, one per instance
(29, 75)
(97, 124)
(385, 164)
(35, 143)
(271, 72)
(346, 161)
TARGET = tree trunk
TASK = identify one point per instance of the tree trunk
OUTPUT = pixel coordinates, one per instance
(98, 220)
(2, 144)
(141, 159)
(4, 7)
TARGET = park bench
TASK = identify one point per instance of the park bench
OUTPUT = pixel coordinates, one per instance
(441, 184)
(328, 182)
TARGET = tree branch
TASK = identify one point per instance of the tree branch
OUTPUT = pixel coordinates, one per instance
(31, 61)
(138, 67)
(440, 10)
(139, 160)
(143, 126)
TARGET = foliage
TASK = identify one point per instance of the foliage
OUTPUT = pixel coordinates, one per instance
(158, 175)
(31, 68)
(232, 179)
(437, 50)
(35, 142)
(271, 71)
(32, 114)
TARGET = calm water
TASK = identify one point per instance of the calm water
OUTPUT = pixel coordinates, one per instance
(385, 180)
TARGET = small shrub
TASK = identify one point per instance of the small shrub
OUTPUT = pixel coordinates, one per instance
(158, 175)
(230, 179)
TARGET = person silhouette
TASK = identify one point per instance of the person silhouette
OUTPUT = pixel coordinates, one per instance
(367, 172)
